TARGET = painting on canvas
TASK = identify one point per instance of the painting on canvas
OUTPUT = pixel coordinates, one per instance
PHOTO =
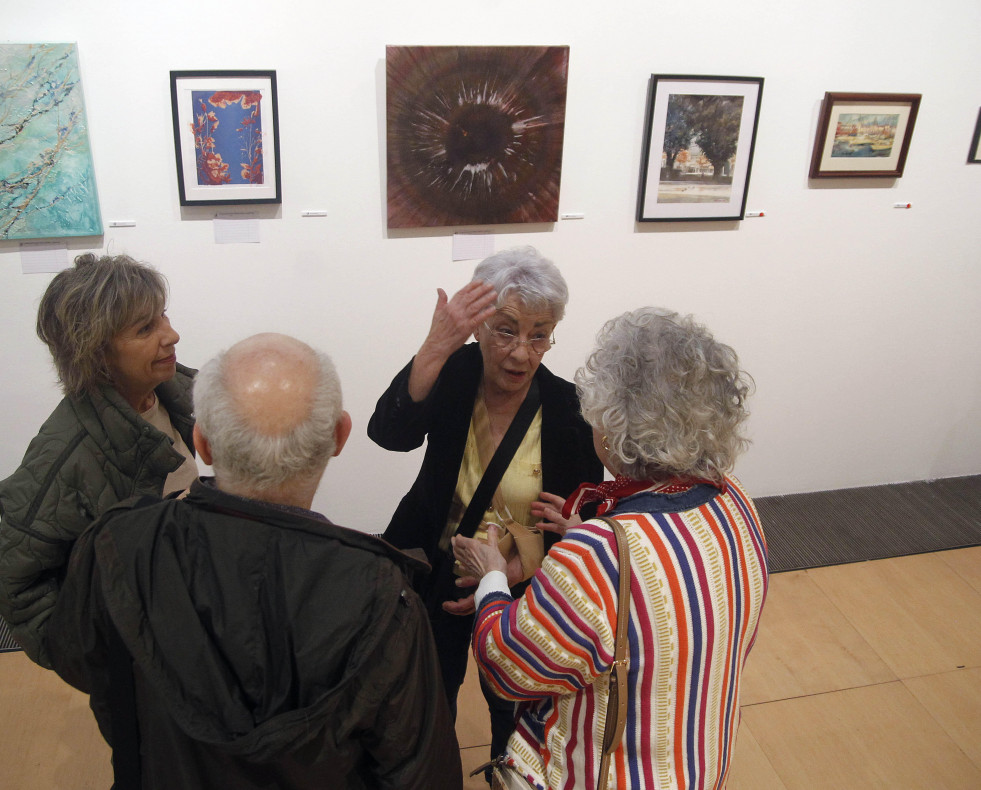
(45, 157)
(474, 134)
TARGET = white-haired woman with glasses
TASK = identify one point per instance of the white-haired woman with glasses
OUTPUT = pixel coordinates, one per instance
(462, 400)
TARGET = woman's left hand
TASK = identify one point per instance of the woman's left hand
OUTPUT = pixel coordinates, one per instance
(478, 558)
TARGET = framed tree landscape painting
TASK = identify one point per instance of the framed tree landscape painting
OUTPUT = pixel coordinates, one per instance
(699, 139)
(864, 135)
(226, 128)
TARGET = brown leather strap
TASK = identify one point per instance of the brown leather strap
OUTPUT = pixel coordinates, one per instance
(616, 706)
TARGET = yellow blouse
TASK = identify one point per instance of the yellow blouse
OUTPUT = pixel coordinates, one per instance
(520, 486)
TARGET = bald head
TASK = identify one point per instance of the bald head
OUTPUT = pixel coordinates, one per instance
(269, 415)
(271, 380)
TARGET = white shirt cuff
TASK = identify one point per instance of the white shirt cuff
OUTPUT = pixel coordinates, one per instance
(495, 581)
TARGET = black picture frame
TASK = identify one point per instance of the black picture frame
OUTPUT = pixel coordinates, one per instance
(204, 174)
(682, 181)
(974, 155)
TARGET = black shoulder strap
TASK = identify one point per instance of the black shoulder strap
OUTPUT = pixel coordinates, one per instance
(122, 710)
(499, 463)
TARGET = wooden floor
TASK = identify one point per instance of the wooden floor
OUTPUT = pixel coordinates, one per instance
(863, 676)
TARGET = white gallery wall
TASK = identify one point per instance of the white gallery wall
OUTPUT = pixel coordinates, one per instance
(860, 322)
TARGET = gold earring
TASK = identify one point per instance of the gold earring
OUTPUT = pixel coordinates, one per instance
(606, 443)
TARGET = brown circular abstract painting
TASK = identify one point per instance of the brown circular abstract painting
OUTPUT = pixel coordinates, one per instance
(474, 134)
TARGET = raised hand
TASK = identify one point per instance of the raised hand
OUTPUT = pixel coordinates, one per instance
(454, 320)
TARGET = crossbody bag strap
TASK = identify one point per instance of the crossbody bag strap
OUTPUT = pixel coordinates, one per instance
(499, 463)
(616, 706)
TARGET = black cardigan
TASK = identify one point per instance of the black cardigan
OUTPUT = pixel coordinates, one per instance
(568, 457)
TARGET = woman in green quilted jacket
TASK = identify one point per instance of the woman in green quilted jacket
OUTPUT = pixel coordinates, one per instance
(122, 429)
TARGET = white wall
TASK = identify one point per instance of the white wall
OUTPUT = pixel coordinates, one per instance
(860, 322)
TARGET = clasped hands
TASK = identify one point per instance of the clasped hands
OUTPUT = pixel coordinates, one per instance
(477, 558)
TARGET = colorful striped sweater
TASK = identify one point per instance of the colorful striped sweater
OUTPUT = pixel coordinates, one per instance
(699, 579)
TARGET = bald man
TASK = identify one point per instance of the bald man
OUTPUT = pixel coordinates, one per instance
(265, 647)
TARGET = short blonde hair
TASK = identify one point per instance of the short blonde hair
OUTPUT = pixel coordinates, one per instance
(668, 397)
(86, 306)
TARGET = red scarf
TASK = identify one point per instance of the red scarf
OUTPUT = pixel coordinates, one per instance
(609, 492)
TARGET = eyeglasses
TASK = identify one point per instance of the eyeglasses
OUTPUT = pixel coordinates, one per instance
(506, 340)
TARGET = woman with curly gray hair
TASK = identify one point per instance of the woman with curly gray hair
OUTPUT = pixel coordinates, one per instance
(122, 429)
(669, 400)
(666, 402)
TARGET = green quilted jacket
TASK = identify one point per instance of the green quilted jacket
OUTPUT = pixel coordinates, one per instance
(92, 452)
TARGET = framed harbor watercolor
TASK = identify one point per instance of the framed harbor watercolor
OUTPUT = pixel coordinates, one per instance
(974, 155)
(864, 135)
(226, 137)
(46, 164)
(699, 138)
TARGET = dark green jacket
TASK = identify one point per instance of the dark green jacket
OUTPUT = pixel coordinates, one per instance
(92, 452)
(271, 648)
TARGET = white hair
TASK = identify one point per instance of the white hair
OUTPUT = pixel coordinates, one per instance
(535, 281)
(244, 457)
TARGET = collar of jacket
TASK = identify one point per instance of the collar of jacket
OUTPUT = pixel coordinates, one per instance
(204, 493)
(130, 442)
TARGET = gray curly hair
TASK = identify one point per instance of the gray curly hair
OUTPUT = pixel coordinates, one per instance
(669, 398)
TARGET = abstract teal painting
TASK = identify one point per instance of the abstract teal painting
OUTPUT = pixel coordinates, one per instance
(47, 181)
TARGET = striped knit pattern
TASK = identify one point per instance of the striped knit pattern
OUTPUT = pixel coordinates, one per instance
(698, 585)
